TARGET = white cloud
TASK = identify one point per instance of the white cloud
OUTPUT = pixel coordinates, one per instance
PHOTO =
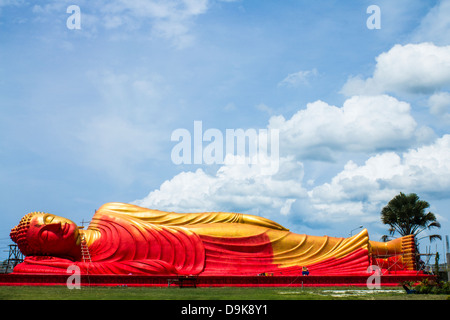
(298, 78)
(362, 124)
(439, 104)
(435, 26)
(157, 9)
(240, 188)
(127, 92)
(362, 190)
(357, 192)
(265, 108)
(411, 68)
(167, 19)
(170, 19)
(5, 3)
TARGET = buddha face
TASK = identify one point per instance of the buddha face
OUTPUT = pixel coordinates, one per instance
(53, 235)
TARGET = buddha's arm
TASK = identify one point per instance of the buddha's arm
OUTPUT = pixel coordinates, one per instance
(401, 248)
(184, 219)
(386, 248)
(290, 248)
(403, 245)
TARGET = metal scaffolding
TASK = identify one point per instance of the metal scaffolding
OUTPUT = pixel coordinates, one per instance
(15, 257)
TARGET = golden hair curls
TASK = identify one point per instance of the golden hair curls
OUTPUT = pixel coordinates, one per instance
(18, 234)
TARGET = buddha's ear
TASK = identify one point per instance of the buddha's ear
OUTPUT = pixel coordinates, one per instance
(41, 237)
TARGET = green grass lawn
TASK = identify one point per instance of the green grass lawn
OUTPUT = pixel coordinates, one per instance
(222, 293)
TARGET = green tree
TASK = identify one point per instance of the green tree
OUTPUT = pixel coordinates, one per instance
(406, 214)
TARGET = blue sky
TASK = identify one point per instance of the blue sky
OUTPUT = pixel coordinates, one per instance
(86, 115)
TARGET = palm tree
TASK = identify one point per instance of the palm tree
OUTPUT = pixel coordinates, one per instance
(406, 215)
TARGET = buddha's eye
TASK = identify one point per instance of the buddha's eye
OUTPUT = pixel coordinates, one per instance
(48, 218)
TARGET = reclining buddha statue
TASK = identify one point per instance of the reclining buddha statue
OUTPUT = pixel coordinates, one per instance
(127, 239)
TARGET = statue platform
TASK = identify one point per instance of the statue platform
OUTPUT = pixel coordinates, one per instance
(209, 281)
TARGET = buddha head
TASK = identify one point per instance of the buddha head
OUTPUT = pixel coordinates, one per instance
(43, 234)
